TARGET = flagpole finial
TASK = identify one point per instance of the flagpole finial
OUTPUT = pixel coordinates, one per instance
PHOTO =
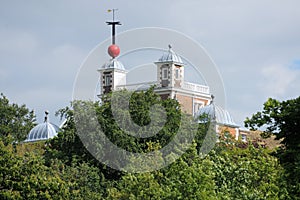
(113, 12)
(113, 23)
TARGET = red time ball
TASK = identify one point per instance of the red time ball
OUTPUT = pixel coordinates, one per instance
(113, 50)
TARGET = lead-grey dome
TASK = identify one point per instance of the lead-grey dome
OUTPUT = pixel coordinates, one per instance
(220, 115)
(43, 131)
(171, 56)
(113, 64)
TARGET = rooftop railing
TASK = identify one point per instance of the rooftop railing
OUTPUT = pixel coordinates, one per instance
(136, 86)
(186, 86)
(195, 87)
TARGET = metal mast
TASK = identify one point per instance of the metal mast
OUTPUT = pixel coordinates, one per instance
(113, 24)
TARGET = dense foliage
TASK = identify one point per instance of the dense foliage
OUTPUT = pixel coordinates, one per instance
(282, 119)
(15, 121)
(62, 168)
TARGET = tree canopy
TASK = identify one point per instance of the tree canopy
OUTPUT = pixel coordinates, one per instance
(15, 121)
(282, 119)
(63, 168)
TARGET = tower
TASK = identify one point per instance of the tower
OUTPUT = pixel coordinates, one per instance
(171, 84)
(170, 72)
(112, 73)
(170, 81)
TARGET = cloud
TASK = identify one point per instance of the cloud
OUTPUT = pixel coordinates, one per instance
(295, 65)
(3, 74)
(277, 79)
(61, 61)
(42, 46)
(17, 42)
(35, 73)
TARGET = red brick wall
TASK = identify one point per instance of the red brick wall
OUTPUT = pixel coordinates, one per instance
(186, 103)
(231, 130)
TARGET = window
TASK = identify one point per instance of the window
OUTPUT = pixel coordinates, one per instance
(244, 138)
(177, 73)
(197, 106)
(165, 74)
(107, 80)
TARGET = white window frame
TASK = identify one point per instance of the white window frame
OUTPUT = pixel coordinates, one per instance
(107, 80)
(165, 74)
(197, 106)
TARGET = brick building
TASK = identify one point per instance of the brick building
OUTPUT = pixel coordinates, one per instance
(195, 99)
(170, 82)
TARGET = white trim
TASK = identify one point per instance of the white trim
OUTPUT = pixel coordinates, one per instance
(237, 134)
(199, 105)
(112, 69)
(185, 92)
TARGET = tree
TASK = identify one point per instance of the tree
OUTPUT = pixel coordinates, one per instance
(62, 168)
(68, 144)
(248, 173)
(188, 177)
(84, 180)
(282, 119)
(15, 121)
(26, 177)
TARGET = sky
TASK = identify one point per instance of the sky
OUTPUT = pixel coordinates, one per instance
(254, 43)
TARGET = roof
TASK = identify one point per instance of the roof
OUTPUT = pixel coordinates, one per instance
(220, 115)
(43, 131)
(171, 56)
(113, 64)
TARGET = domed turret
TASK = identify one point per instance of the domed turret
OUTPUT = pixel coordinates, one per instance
(171, 56)
(43, 131)
(220, 115)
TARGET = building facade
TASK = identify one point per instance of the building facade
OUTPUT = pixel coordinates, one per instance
(170, 82)
(195, 99)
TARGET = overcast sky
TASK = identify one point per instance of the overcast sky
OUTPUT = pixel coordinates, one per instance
(255, 44)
